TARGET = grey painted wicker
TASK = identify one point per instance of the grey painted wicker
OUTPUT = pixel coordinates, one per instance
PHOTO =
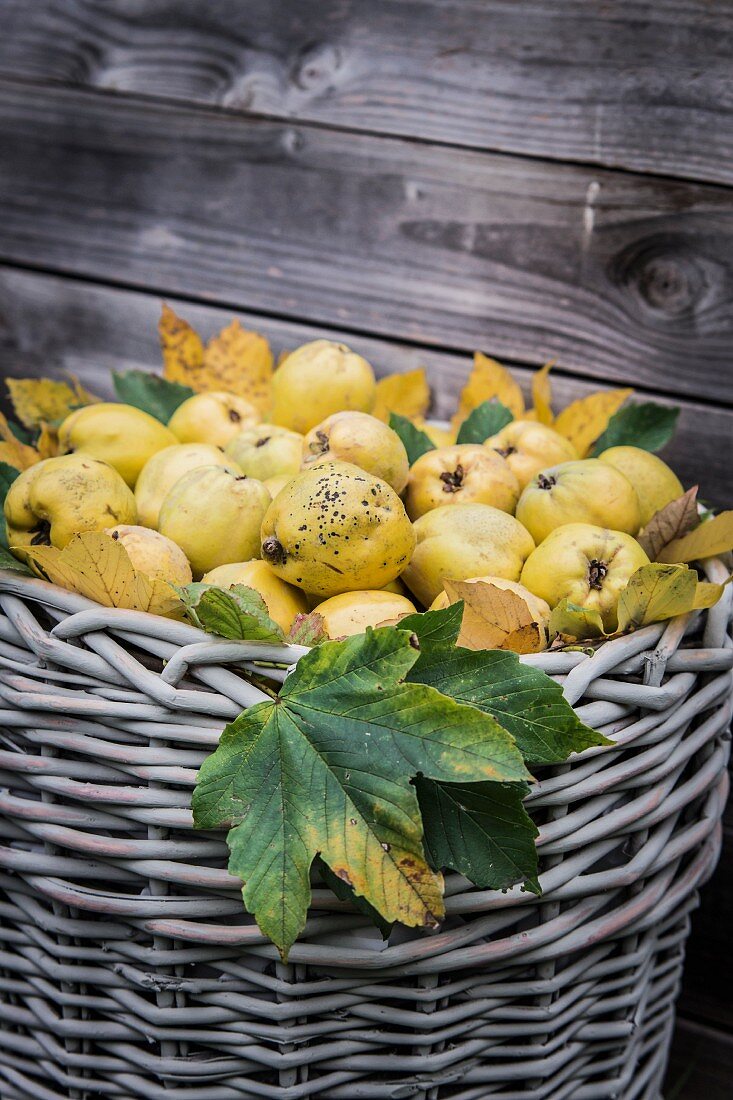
(128, 969)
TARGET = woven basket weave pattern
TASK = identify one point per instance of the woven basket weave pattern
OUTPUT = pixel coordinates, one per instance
(128, 968)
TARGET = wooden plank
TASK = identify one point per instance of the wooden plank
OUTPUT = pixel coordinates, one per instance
(49, 325)
(620, 277)
(701, 1064)
(645, 86)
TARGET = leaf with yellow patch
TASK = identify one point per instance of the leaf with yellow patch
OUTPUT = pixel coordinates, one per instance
(542, 394)
(655, 593)
(676, 519)
(488, 379)
(240, 362)
(326, 770)
(182, 347)
(36, 400)
(99, 567)
(406, 394)
(586, 419)
(707, 541)
(495, 618)
(13, 450)
(569, 620)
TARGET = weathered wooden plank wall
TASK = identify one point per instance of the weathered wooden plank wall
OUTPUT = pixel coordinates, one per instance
(420, 177)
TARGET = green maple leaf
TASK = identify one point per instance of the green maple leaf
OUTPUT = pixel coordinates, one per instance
(325, 770)
(482, 831)
(524, 700)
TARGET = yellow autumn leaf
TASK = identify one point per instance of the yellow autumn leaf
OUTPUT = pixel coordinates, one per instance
(13, 451)
(36, 400)
(240, 362)
(707, 594)
(654, 593)
(182, 347)
(99, 567)
(587, 419)
(706, 541)
(235, 361)
(488, 379)
(406, 394)
(47, 443)
(495, 618)
(571, 621)
(542, 394)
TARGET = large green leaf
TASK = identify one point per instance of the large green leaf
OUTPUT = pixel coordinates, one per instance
(325, 770)
(416, 443)
(238, 612)
(482, 831)
(648, 426)
(151, 393)
(8, 475)
(524, 700)
(485, 420)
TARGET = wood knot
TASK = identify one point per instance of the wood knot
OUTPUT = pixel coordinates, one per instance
(666, 271)
(316, 66)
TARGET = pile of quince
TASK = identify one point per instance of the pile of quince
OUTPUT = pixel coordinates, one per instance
(302, 491)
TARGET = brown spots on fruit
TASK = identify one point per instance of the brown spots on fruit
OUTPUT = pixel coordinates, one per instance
(234, 416)
(545, 482)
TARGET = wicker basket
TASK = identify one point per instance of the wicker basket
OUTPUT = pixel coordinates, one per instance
(128, 968)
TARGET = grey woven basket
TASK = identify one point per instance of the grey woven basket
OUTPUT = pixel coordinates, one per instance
(128, 968)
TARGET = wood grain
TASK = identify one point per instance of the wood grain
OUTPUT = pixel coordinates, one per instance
(645, 86)
(50, 325)
(618, 277)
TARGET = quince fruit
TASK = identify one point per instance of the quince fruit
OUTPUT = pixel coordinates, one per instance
(336, 528)
(214, 515)
(462, 541)
(467, 473)
(539, 609)
(121, 435)
(152, 553)
(266, 451)
(530, 447)
(362, 440)
(656, 485)
(586, 564)
(352, 612)
(284, 601)
(61, 497)
(162, 471)
(586, 491)
(318, 379)
(212, 417)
